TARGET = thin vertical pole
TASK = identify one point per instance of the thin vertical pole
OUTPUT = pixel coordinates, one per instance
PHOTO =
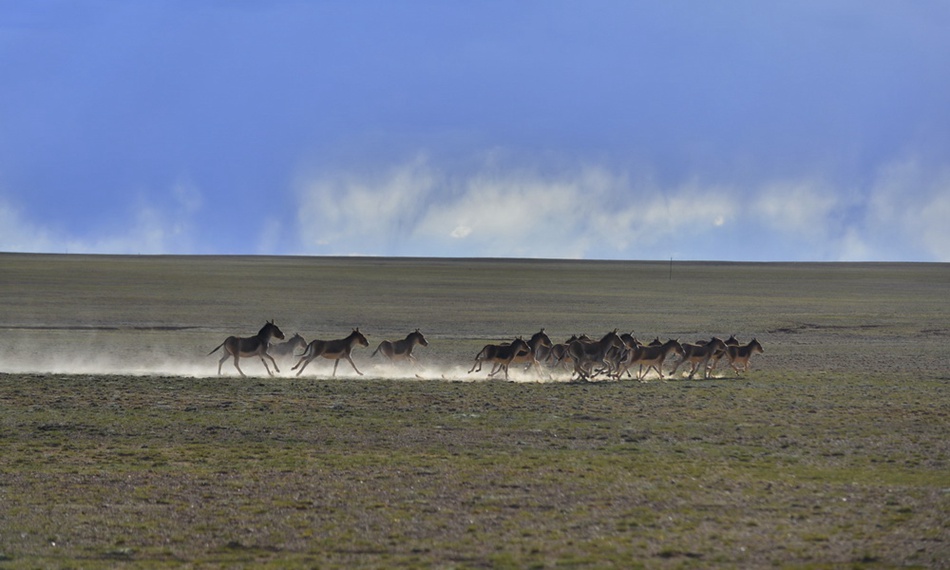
(671, 269)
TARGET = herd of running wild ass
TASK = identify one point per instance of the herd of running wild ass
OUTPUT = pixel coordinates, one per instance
(612, 356)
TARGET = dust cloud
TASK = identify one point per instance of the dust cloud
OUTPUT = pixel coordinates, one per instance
(101, 361)
(162, 355)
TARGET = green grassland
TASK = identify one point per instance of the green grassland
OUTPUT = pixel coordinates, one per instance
(833, 451)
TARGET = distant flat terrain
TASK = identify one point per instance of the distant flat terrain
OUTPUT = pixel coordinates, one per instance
(155, 313)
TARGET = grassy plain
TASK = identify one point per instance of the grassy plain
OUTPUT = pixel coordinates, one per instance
(120, 447)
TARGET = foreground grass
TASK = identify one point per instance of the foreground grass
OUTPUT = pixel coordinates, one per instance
(777, 469)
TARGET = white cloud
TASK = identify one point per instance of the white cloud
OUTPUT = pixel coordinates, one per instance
(270, 236)
(853, 246)
(932, 227)
(590, 212)
(188, 197)
(460, 232)
(810, 219)
(367, 215)
(909, 204)
(593, 212)
(417, 208)
(151, 232)
(514, 216)
(20, 235)
(690, 208)
(801, 208)
(147, 230)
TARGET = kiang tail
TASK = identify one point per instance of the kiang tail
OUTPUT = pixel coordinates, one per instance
(216, 348)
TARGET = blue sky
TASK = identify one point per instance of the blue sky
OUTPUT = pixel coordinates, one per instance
(735, 130)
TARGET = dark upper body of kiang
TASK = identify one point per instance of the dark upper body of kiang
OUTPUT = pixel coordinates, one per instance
(401, 349)
(587, 354)
(700, 354)
(243, 347)
(651, 356)
(539, 341)
(499, 354)
(335, 350)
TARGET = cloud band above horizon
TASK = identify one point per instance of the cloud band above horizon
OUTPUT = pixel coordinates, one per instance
(418, 209)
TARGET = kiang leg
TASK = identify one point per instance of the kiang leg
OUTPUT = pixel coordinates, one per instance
(266, 367)
(353, 364)
(305, 360)
(274, 362)
(236, 358)
(537, 367)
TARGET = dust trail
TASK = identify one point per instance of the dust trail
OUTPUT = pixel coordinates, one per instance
(84, 363)
(35, 360)
(160, 353)
(457, 373)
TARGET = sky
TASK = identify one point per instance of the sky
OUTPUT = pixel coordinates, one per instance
(734, 130)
